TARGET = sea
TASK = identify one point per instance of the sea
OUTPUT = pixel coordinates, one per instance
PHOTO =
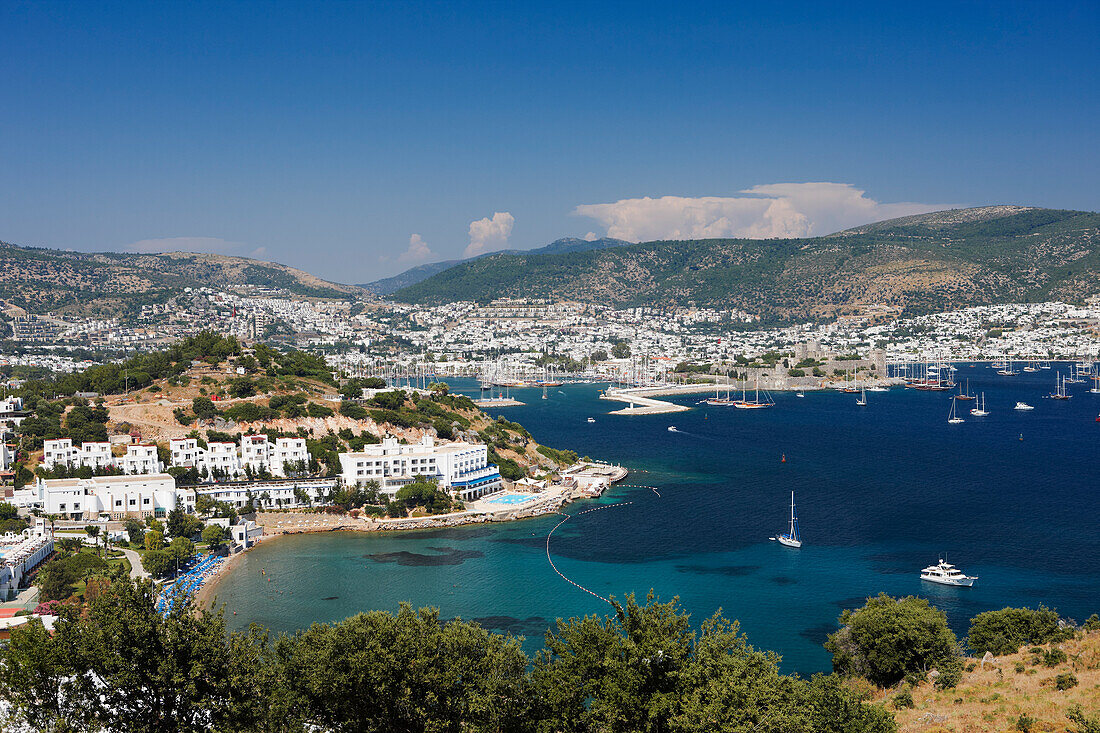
(881, 492)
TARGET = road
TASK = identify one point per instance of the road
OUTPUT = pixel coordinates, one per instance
(136, 568)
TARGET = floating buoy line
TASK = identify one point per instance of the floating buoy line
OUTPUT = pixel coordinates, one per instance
(551, 560)
(639, 486)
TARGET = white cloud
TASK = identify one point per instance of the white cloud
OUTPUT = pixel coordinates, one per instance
(773, 210)
(418, 250)
(189, 244)
(591, 237)
(489, 234)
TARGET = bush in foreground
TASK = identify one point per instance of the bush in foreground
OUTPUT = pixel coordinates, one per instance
(119, 665)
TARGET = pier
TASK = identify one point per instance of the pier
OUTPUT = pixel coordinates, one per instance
(639, 403)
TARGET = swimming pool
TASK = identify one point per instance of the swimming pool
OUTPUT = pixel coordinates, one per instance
(510, 499)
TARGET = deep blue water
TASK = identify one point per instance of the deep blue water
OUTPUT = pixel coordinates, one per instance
(882, 491)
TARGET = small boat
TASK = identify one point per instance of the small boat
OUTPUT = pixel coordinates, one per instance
(979, 408)
(1023, 406)
(672, 429)
(945, 573)
(879, 388)
(792, 538)
(952, 418)
(800, 394)
(591, 419)
(862, 401)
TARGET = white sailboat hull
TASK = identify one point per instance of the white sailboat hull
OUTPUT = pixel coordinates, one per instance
(788, 542)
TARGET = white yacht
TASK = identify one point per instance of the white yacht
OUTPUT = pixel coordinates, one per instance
(952, 418)
(591, 419)
(979, 408)
(673, 429)
(1023, 406)
(945, 573)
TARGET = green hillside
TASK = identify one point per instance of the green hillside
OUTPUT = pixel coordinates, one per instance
(108, 283)
(917, 264)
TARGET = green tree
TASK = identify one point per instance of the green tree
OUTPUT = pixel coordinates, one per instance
(890, 638)
(181, 550)
(135, 531)
(92, 530)
(154, 540)
(158, 563)
(620, 350)
(424, 675)
(1005, 631)
(214, 536)
(204, 408)
(118, 664)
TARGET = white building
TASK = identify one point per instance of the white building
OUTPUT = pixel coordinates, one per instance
(141, 459)
(59, 452)
(461, 467)
(117, 496)
(186, 452)
(21, 553)
(293, 494)
(255, 452)
(222, 456)
(288, 450)
(95, 455)
(7, 456)
(245, 534)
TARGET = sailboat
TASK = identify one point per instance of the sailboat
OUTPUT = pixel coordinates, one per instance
(755, 404)
(717, 400)
(1007, 371)
(792, 538)
(979, 408)
(1059, 388)
(862, 401)
(965, 396)
(952, 418)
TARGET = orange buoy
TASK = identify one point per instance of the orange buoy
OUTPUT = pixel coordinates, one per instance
(784, 459)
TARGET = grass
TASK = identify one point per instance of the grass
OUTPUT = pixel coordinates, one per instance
(995, 697)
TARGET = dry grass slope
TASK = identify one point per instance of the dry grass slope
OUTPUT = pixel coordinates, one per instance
(993, 696)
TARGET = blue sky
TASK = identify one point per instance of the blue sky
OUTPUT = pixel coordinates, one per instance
(327, 135)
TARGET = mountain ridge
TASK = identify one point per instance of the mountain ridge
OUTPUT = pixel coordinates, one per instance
(419, 273)
(934, 261)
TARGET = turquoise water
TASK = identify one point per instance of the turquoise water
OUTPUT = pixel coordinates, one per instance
(882, 491)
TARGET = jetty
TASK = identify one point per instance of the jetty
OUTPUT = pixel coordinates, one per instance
(498, 402)
(639, 401)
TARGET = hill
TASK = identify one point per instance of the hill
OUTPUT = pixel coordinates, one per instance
(107, 283)
(1014, 692)
(417, 274)
(916, 264)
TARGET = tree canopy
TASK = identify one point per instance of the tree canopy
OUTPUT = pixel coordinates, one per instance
(891, 638)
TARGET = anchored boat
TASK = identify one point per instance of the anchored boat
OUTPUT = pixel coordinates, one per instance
(945, 573)
(792, 538)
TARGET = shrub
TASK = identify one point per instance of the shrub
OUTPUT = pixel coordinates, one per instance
(1005, 631)
(890, 638)
(904, 699)
(1053, 657)
(1025, 723)
(1065, 681)
(1093, 623)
